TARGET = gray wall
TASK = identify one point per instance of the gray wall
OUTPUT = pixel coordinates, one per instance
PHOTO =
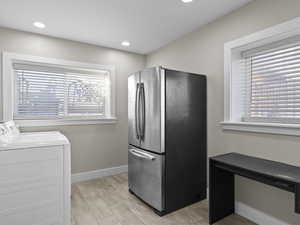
(102, 146)
(202, 52)
(93, 146)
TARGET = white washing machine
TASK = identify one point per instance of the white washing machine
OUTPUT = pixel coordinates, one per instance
(35, 180)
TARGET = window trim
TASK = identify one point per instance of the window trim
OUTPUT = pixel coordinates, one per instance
(9, 58)
(232, 97)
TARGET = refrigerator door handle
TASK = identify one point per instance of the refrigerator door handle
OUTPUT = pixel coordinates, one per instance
(143, 109)
(137, 111)
(140, 154)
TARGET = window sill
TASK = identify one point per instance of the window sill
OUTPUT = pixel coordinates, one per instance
(269, 128)
(63, 122)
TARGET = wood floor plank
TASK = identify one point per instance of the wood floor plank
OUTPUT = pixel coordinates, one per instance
(95, 193)
(106, 201)
(80, 209)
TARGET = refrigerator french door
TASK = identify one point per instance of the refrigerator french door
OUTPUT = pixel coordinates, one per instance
(146, 109)
(167, 138)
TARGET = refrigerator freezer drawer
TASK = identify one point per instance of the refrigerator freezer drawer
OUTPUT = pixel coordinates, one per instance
(146, 176)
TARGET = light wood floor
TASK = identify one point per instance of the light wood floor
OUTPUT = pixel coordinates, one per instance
(106, 201)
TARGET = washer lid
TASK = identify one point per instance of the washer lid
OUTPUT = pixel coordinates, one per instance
(34, 139)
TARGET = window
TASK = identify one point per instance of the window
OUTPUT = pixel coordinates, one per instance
(46, 93)
(272, 88)
(262, 81)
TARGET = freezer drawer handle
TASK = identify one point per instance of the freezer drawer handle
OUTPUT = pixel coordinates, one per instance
(142, 154)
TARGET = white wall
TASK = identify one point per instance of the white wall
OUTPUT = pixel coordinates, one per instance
(93, 146)
(202, 52)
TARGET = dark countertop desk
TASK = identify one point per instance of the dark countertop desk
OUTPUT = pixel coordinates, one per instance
(221, 180)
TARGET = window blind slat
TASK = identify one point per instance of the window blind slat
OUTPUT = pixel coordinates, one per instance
(277, 51)
(272, 75)
(275, 95)
(280, 59)
(289, 89)
(278, 70)
(286, 63)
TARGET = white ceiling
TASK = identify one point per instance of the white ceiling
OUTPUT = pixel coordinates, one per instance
(147, 24)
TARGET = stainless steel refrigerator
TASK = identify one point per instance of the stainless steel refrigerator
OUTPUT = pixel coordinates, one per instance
(167, 153)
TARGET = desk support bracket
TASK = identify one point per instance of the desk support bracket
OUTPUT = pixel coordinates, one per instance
(221, 184)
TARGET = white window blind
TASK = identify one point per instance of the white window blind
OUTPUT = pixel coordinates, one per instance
(46, 92)
(272, 81)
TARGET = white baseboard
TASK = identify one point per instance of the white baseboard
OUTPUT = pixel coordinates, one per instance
(78, 177)
(256, 216)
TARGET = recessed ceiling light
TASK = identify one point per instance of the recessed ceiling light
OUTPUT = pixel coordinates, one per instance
(39, 25)
(186, 1)
(126, 43)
